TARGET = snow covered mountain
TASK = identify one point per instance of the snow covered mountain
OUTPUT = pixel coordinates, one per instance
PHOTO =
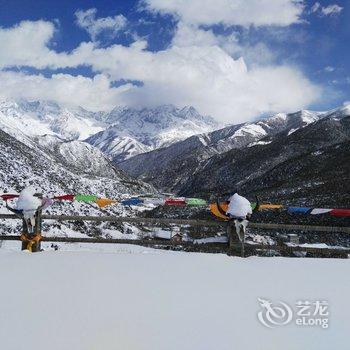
(44, 117)
(213, 162)
(201, 147)
(121, 133)
(135, 131)
(35, 126)
(310, 166)
(57, 166)
(79, 156)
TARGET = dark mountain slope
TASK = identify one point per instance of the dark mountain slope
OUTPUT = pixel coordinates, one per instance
(169, 168)
(310, 165)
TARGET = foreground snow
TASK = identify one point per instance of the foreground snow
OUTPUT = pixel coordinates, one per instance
(138, 298)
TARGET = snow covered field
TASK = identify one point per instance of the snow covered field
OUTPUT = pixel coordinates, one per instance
(132, 297)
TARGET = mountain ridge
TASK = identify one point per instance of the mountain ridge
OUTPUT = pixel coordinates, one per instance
(120, 133)
(188, 166)
(135, 131)
(203, 146)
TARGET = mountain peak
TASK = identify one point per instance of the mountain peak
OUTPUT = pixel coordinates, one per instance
(47, 117)
(149, 128)
(190, 111)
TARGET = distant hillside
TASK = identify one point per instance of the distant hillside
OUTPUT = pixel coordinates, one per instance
(304, 155)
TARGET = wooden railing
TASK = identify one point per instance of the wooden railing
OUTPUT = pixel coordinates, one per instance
(190, 222)
(286, 249)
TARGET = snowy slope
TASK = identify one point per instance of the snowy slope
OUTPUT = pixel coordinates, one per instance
(52, 162)
(43, 117)
(120, 133)
(57, 166)
(77, 155)
(310, 166)
(158, 166)
(140, 299)
(119, 148)
(135, 131)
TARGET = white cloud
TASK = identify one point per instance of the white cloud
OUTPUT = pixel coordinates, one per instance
(94, 94)
(329, 69)
(189, 35)
(332, 9)
(26, 43)
(316, 7)
(195, 70)
(216, 84)
(95, 26)
(231, 12)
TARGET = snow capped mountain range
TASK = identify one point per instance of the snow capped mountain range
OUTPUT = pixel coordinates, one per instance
(309, 166)
(135, 131)
(165, 146)
(42, 143)
(203, 146)
(177, 167)
(120, 133)
(43, 117)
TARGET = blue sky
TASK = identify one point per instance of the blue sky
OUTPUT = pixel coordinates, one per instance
(305, 49)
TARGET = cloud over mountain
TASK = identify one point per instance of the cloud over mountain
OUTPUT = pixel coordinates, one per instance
(199, 67)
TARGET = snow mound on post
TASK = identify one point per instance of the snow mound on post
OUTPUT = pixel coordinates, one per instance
(26, 200)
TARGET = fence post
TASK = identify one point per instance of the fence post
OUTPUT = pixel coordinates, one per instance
(232, 238)
(37, 231)
(32, 238)
(229, 231)
(242, 242)
(240, 232)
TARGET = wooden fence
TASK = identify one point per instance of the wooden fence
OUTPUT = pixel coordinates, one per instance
(190, 222)
(195, 246)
